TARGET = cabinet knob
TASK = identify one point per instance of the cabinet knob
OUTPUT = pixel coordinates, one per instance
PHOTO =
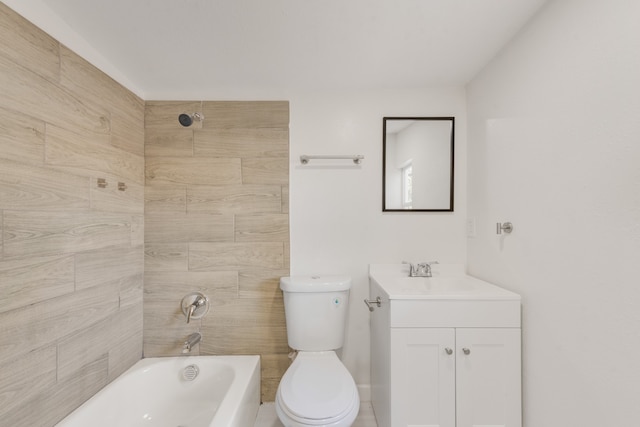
(466, 351)
(448, 351)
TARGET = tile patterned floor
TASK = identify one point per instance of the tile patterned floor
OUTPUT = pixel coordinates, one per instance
(267, 416)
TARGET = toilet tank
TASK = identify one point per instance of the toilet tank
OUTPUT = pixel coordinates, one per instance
(316, 311)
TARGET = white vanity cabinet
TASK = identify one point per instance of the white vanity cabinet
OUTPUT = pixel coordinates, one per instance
(444, 352)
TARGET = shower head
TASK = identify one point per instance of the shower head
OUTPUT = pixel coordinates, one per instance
(186, 120)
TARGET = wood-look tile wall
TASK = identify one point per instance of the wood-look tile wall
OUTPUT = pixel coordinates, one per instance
(217, 222)
(71, 254)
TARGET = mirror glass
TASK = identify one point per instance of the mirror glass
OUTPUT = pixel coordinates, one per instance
(417, 164)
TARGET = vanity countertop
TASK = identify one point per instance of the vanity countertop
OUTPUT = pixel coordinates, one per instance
(448, 282)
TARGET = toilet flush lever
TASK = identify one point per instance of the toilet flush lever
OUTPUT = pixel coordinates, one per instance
(370, 303)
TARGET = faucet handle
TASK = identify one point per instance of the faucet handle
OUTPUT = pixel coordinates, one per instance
(412, 267)
(192, 309)
(426, 265)
(194, 306)
(429, 264)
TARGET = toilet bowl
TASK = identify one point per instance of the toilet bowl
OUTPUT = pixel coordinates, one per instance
(317, 390)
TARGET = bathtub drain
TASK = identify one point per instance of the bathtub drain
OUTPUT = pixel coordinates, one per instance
(190, 372)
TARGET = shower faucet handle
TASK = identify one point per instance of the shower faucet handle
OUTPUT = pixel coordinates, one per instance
(195, 306)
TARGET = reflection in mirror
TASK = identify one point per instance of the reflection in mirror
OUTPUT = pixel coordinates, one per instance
(417, 164)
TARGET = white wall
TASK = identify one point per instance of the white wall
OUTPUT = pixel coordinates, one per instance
(337, 224)
(554, 147)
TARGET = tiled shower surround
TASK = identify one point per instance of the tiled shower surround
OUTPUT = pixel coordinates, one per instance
(74, 254)
(72, 260)
(217, 222)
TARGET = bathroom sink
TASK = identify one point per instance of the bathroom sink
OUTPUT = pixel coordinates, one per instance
(448, 282)
(450, 298)
(435, 285)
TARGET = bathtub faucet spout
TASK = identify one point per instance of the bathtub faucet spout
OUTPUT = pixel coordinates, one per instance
(192, 340)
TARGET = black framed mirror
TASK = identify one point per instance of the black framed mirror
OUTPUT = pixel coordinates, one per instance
(417, 164)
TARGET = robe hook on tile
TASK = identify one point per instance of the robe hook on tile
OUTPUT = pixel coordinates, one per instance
(356, 158)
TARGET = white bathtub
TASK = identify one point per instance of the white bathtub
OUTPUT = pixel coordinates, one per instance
(154, 393)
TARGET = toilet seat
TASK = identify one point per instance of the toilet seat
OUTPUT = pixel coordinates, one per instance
(318, 390)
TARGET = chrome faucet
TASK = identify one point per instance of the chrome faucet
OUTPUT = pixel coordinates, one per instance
(192, 340)
(421, 269)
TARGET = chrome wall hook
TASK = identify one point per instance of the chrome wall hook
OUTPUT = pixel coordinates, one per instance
(507, 227)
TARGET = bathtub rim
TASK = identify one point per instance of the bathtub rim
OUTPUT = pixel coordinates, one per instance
(240, 405)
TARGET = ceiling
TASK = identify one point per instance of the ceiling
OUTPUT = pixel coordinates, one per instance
(193, 49)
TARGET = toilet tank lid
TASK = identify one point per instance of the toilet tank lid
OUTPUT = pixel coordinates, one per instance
(315, 283)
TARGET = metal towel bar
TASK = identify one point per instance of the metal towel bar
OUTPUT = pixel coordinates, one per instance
(357, 158)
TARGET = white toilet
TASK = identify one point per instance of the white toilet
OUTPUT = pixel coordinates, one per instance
(317, 389)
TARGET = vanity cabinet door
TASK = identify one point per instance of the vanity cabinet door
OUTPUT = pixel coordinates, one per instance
(423, 377)
(488, 380)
